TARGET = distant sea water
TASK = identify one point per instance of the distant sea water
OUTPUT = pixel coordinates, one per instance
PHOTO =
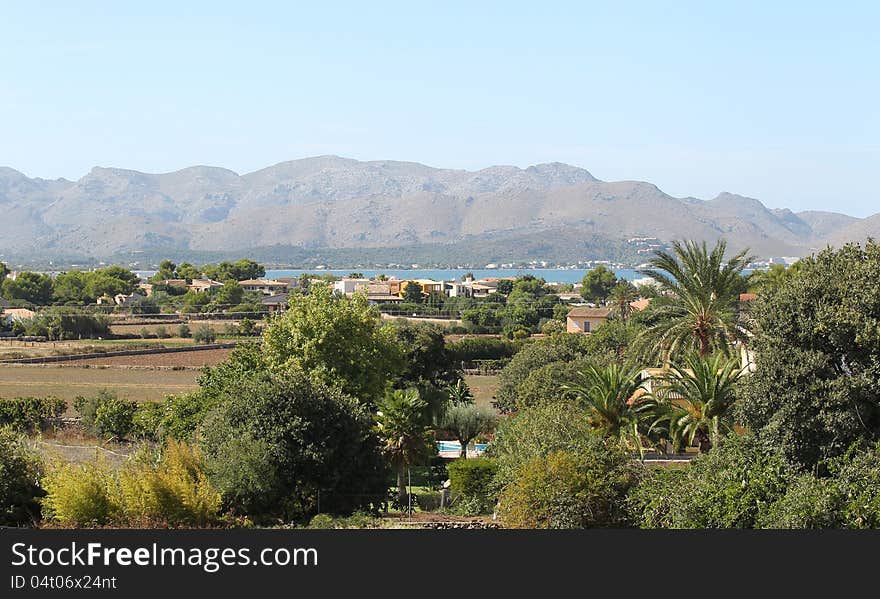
(551, 275)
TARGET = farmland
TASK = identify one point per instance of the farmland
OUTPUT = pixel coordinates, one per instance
(67, 382)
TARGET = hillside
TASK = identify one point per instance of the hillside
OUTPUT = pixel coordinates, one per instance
(342, 206)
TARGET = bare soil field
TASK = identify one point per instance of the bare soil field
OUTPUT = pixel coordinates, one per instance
(190, 359)
(67, 382)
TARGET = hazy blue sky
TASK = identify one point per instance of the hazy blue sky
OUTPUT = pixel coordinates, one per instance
(775, 100)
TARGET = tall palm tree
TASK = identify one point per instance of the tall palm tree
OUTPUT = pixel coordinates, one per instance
(620, 299)
(695, 397)
(611, 396)
(699, 310)
(403, 422)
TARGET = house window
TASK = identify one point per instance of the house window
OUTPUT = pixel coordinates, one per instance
(586, 326)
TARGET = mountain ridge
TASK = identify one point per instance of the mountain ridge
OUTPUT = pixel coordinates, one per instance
(340, 204)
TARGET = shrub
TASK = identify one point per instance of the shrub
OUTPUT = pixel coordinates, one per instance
(204, 334)
(182, 414)
(183, 331)
(730, 486)
(565, 489)
(809, 502)
(428, 501)
(30, 413)
(536, 432)
(652, 501)
(79, 494)
(471, 480)
(172, 490)
(274, 441)
(107, 416)
(470, 349)
(20, 470)
(148, 419)
(145, 333)
(162, 332)
(322, 521)
(857, 476)
(246, 326)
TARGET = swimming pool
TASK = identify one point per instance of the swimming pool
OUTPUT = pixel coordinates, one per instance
(456, 446)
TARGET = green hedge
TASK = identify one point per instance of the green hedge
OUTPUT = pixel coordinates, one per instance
(29, 413)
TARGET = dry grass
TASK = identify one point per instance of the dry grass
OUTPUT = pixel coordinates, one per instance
(483, 387)
(191, 359)
(67, 382)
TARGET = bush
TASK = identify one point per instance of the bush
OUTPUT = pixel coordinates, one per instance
(167, 490)
(79, 495)
(428, 501)
(470, 349)
(204, 334)
(274, 441)
(182, 414)
(322, 521)
(247, 326)
(471, 480)
(148, 420)
(145, 333)
(565, 489)
(183, 331)
(20, 470)
(857, 477)
(652, 501)
(809, 502)
(172, 490)
(162, 332)
(536, 432)
(730, 486)
(107, 416)
(30, 413)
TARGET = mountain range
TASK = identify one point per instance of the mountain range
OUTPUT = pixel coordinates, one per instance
(330, 204)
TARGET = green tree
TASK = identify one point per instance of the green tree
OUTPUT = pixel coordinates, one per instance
(20, 472)
(814, 391)
(166, 271)
(536, 432)
(412, 293)
(620, 299)
(402, 418)
(560, 348)
(609, 395)
(339, 341)
(30, 287)
(426, 360)
(187, 271)
(696, 397)
(504, 287)
(275, 443)
(564, 489)
(4, 270)
(700, 310)
(229, 295)
(466, 422)
(598, 283)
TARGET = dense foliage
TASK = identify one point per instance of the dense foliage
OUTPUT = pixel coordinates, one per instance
(817, 351)
(20, 473)
(276, 444)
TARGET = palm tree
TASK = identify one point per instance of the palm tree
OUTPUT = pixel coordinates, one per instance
(695, 398)
(620, 299)
(699, 310)
(459, 393)
(467, 421)
(614, 407)
(402, 419)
